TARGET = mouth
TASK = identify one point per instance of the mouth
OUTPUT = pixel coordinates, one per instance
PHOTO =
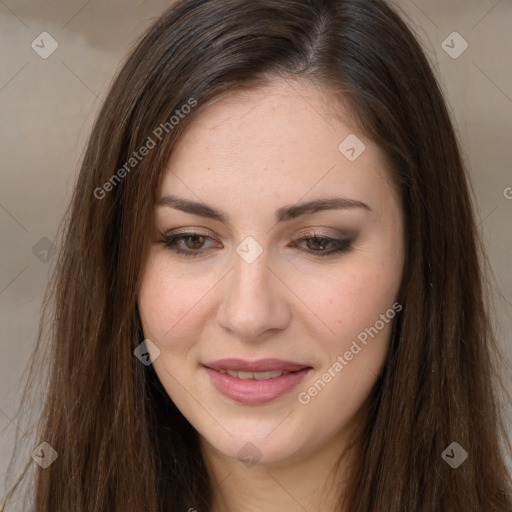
(254, 375)
(256, 382)
(259, 366)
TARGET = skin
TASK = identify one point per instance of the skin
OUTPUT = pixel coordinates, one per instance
(249, 154)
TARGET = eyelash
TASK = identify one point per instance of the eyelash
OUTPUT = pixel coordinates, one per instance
(170, 241)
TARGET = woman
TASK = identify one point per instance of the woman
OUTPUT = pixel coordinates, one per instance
(269, 294)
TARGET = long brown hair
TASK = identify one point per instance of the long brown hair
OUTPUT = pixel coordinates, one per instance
(122, 444)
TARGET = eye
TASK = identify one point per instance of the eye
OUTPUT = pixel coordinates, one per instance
(191, 241)
(317, 244)
(190, 244)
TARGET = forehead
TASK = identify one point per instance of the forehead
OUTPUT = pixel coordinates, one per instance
(280, 113)
(279, 139)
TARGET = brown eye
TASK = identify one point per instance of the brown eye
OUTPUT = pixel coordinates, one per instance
(188, 244)
(195, 241)
(319, 244)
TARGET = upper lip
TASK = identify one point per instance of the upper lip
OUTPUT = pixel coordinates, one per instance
(261, 365)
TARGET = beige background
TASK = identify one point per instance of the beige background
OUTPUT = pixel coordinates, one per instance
(47, 107)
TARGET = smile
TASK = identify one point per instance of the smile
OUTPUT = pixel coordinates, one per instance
(255, 375)
(255, 383)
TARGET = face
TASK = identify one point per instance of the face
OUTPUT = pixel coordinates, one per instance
(298, 299)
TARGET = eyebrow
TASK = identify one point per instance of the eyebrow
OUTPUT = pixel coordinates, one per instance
(283, 214)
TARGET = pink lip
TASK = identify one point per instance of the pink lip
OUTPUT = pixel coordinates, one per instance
(261, 365)
(252, 391)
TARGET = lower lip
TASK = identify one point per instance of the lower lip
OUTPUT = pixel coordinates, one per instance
(254, 392)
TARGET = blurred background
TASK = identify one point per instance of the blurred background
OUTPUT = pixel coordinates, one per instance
(57, 60)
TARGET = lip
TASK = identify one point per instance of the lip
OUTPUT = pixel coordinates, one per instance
(261, 365)
(252, 391)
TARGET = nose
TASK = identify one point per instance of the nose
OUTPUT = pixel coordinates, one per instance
(255, 302)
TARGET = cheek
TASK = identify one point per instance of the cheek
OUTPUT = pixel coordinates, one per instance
(157, 309)
(350, 299)
(359, 309)
(168, 300)
(166, 305)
